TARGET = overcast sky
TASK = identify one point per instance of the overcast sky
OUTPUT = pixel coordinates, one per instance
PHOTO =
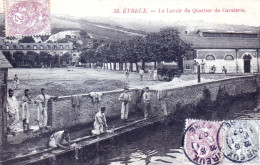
(104, 8)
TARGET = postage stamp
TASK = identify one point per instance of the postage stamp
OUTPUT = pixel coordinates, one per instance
(240, 141)
(201, 145)
(27, 17)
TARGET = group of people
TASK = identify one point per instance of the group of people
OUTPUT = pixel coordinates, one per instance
(203, 65)
(12, 110)
(125, 98)
(152, 74)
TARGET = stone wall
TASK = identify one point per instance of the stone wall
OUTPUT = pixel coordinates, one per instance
(62, 114)
(192, 95)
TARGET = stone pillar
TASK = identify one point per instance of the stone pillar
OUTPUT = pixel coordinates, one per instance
(236, 61)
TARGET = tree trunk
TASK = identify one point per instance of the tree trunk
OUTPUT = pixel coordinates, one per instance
(143, 65)
(125, 65)
(114, 65)
(137, 68)
(131, 67)
(110, 66)
(155, 66)
(121, 66)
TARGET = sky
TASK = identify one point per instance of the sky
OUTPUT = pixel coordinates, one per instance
(104, 9)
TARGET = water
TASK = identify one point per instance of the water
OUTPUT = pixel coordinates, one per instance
(161, 143)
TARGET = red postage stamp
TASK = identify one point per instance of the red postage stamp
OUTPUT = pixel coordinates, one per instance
(27, 17)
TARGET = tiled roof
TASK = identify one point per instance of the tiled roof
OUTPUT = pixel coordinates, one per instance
(4, 63)
(221, 42)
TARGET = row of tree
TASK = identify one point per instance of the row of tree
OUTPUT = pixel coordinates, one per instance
(34, 59)
(165, 45)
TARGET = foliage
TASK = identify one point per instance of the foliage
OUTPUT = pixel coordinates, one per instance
(27, 39)
(9, 57)
(66, 57)
(165, 45)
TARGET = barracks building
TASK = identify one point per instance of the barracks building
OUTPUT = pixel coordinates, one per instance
(237, 51)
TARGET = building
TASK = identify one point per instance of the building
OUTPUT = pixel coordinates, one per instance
(4, 65)
(52, 48)
(238, 51)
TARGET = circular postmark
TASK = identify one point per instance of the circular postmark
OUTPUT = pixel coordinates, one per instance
(239, 140)
(200, 145)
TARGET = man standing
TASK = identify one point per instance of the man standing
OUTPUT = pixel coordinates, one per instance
(100, 122)
(12, 111)
(16, 81)
(125, 98)
(127, 75)
(150, 74)
(27, 102)
(141, 73)
(195, 64)
(41, 101)
(203, 66)
(147, 103)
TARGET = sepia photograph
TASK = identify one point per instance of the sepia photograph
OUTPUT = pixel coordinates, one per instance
(140, 82)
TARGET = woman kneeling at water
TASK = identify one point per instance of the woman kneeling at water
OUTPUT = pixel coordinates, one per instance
(60, 139)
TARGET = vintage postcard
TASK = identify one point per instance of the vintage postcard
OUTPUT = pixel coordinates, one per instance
(140, 82)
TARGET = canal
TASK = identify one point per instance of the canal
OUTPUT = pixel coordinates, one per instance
(161, 143)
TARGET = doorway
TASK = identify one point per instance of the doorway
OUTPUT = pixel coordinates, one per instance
(247, 63)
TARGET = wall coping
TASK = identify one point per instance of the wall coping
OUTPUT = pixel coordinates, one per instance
(60, 98)
(204, 83)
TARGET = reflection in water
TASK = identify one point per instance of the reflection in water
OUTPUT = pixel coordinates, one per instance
(160, 143)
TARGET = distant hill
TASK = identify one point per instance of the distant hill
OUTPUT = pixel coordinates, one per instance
(120, 29)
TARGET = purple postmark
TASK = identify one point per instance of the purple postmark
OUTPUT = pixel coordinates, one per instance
(200, 145)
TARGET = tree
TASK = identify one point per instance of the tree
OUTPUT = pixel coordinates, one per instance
(88, 56)
(19, 57)
(30, 58)
(45, 58)
(27, 39)
(84, 34)
(166, 45)
(56, 60)
(8, 55)
(66, 57)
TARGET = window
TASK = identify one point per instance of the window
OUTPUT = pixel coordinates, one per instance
(28, 47)
(21, 46)
(210, 57)
(15, 47)
(54, 47)
(7, 47)
(41, 47)
(61, 53)
(48, 47)
(247, 57)
(67, 47)
(34, 47)
(229, 57)
(61, 47)
(1, 47)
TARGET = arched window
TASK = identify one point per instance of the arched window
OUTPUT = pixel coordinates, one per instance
(229, 57)
(210, 57)
(247, 56)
